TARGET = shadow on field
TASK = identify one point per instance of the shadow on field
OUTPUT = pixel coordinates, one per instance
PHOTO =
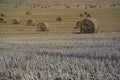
(82, 33)
(90, 56)
(76, 33)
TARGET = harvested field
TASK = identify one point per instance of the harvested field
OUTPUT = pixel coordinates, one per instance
(47, 44)
(109, 19)
(60, 56)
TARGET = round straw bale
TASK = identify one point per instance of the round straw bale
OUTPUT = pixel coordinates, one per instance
(2, 20)
(85, 13)
(81, 15)
(78, 23)
(58, 19)
(30, 23)
(15, 21)
(89, 25)
(28, 13)
(2, 15)
(42, 27)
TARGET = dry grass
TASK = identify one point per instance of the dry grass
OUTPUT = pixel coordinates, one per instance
(59, 53)
(46, 58)
(108, 18)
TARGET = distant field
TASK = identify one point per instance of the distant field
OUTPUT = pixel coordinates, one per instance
(108, 18)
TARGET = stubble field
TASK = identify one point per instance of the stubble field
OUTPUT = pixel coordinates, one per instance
(62, 53)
